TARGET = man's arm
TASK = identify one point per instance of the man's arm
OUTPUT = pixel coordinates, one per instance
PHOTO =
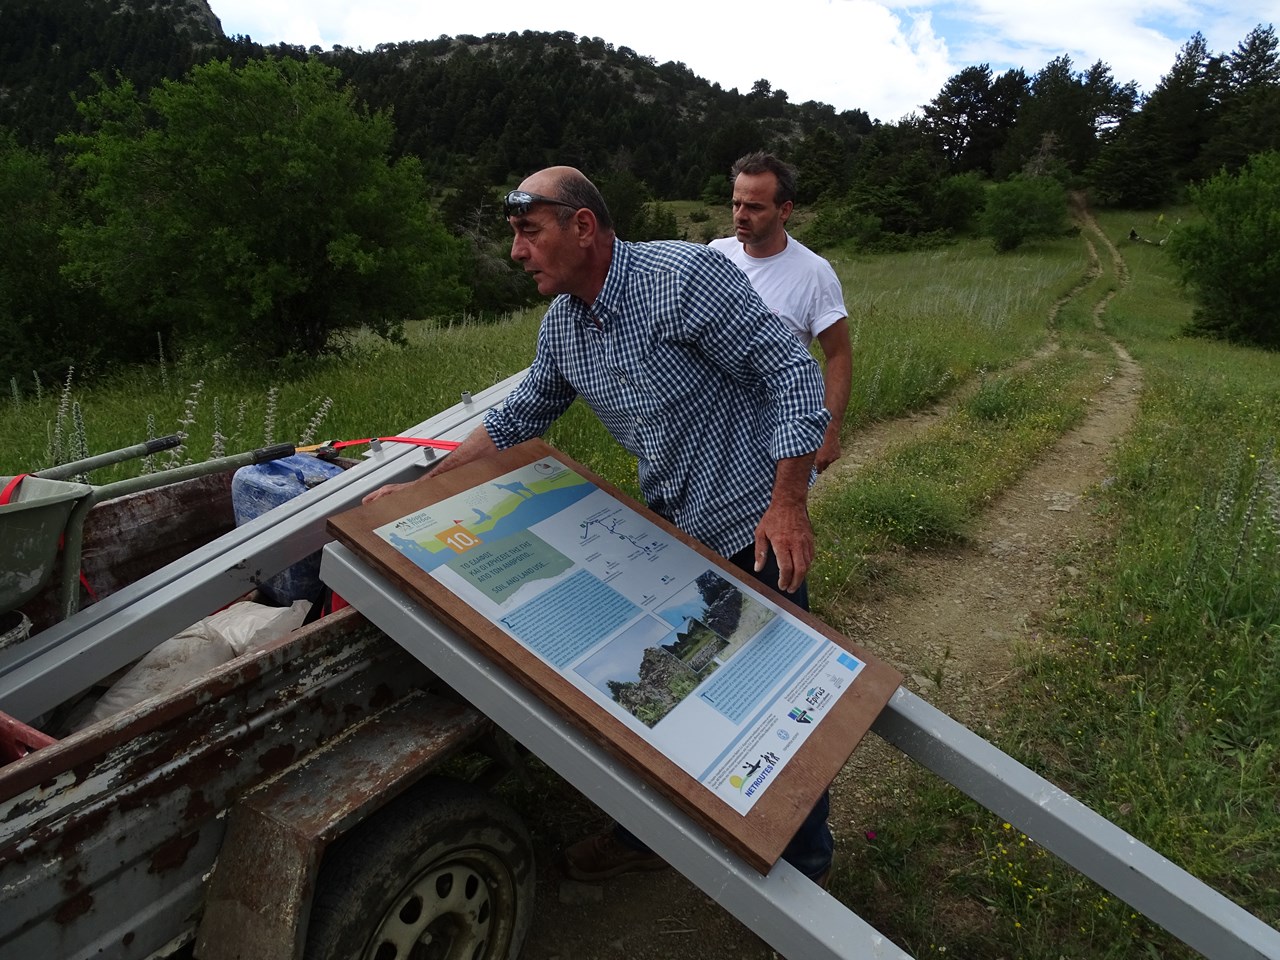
(785, 525)
(477, 446)
(753, 345)
(837, 376)
(526, 413)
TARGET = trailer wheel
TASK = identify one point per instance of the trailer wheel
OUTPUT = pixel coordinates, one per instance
(444, 872)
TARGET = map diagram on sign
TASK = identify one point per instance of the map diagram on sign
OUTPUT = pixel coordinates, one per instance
(616, 542)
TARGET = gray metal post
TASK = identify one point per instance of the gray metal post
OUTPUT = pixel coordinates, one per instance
(1192, 911)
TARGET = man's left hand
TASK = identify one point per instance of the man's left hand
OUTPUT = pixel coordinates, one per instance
(785, 527)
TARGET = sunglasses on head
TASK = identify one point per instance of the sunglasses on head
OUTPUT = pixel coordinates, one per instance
(518, 202)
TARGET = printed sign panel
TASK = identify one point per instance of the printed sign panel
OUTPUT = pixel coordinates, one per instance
(713, 687)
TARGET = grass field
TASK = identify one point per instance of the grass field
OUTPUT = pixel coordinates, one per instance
(915, 341)
(1158, 704)
(1157, 701)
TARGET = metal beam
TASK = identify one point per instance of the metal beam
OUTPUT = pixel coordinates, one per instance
(785, 908)
(51, 666)
(1192, 911)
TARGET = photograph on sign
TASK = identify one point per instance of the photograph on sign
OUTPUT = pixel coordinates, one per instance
(704, 669)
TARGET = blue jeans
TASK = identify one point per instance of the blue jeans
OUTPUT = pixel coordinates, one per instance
(812, 848)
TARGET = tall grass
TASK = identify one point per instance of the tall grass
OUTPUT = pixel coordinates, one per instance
(925, 321)
(374, 389)
(930, 489)
(913, 342)
(1175, 645)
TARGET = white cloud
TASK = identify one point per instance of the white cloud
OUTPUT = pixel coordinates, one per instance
(1138, 39)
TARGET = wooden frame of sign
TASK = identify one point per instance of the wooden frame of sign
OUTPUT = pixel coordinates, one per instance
(760, 835)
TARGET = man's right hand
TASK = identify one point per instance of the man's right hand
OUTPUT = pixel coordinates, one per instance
(383, 491)
(477, 445)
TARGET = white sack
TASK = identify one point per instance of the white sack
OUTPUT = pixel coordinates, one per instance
(193, 652)
(247, 625)
(240, 628)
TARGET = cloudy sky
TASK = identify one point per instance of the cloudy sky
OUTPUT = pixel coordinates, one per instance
(886, 58)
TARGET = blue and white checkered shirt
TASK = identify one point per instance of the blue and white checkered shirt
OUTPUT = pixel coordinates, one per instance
(691, 373)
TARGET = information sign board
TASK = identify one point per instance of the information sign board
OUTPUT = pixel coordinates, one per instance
(738, 705)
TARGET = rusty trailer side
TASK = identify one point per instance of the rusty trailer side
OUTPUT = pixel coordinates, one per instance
(108, 837)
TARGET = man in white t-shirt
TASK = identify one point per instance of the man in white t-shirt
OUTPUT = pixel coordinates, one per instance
(793, 281)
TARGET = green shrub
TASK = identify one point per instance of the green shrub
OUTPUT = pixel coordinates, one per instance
(1230, 259)
(839, 224)
(717, 189)
(959, 201)
(1024, 208)
(656, 221)
(43, 321)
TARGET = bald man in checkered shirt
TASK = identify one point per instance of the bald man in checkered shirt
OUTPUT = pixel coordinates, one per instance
(683, 363)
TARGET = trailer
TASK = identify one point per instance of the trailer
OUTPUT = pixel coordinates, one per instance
(324, 795)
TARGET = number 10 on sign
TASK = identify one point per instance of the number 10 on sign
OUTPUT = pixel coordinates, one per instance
(459, 539)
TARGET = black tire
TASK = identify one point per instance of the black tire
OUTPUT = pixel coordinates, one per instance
(444, 872)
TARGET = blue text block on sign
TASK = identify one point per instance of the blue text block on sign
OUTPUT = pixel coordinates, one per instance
(566, 621)
(741, 684)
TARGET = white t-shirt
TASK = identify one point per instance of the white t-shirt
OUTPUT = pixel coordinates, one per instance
(796, 284)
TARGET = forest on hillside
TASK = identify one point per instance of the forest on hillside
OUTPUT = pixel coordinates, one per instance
(93, 93)
(501, 105)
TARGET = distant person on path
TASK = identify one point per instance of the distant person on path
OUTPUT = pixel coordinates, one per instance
(688, 369)
(797, 284)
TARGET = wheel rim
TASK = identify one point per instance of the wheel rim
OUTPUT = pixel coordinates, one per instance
(447, 912)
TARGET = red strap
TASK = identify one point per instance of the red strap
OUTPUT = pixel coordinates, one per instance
(418, 441)
(18, 739)
(7, 493)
